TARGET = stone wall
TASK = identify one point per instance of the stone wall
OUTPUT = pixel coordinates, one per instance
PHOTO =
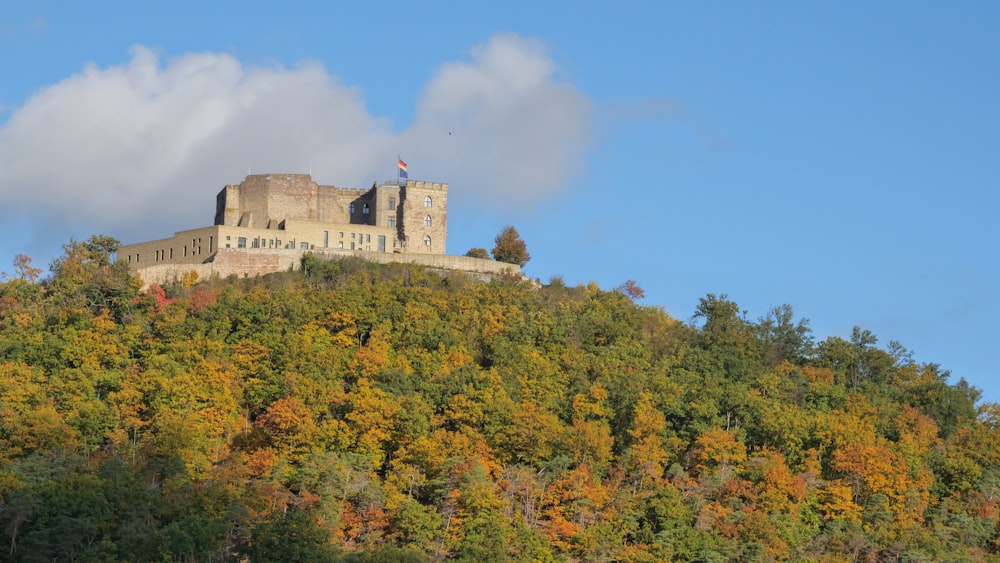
(252, 263)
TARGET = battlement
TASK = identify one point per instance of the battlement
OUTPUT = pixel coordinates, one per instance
(419, 184)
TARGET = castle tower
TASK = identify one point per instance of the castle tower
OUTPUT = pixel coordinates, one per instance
(424, 217)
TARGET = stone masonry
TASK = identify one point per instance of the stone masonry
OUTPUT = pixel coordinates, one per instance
(265, 223)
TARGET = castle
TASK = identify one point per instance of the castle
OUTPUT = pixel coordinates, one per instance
(268, 221)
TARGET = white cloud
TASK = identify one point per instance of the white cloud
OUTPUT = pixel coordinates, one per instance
(139, 150)
(502, 125)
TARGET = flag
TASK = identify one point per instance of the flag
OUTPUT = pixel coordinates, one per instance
(402, 169)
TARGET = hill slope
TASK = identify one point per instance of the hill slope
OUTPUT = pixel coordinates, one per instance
(360, 412)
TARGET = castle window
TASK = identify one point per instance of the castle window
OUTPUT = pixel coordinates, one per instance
(365, 210)
(352, 246)
(427, 220)
(427, 240)
(352, 209)
(392, 203)
(340, 244)
(341, 235)
(326, 239)
(304, 245)
(427, 201)
(392, 222)
(368, 238)
(241, 242)
(255, 243)
(353, 235)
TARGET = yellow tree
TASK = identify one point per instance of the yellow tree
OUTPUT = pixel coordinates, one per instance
(651, 447)
(371, 416)
(716, 449)
(589, 438)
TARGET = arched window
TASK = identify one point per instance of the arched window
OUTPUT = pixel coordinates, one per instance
(427, 201)
(364, 210)
(427, 240)
(427, 220)
(352, 209)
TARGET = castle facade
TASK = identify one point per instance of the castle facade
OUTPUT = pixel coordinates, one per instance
(291, 211)
(267, 222)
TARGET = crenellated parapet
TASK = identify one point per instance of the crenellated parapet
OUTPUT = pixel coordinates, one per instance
(421, 185)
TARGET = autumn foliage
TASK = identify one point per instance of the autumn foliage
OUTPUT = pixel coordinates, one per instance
(360, 412)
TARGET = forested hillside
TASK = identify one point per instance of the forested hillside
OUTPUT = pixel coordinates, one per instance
(359, 412)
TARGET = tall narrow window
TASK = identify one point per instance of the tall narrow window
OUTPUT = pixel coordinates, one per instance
(392, 222)
(427, 201)
(365, 210)
(326, 239)
(427, 240)
(392, 203)
(352, 209)
(427, 220)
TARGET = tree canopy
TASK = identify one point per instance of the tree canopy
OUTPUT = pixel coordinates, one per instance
(510, 247)
(359, 412)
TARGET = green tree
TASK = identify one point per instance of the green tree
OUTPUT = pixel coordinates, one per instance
(291, 536)
(478, 253)
(510, 247)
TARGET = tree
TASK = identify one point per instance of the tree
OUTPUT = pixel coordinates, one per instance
(510, 247)
(478, 253)
(632, 290)
(24, 269)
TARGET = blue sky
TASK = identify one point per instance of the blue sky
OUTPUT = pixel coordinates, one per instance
(842, 158)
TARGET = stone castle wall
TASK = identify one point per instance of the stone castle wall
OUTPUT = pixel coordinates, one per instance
(265, 224)
(242, 263)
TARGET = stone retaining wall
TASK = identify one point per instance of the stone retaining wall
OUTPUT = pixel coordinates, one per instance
(256, 262)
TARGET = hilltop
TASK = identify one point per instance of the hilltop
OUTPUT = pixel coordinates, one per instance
(381, 412)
